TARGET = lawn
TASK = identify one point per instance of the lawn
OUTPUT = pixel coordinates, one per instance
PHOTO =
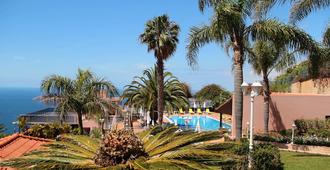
(302, 161)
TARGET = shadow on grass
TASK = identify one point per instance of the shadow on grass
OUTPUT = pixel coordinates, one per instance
(310, 155)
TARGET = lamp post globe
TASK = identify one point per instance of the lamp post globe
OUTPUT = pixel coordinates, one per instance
(245, 88)
(256, 88)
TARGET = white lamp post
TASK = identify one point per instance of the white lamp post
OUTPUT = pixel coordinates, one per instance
(253, 90)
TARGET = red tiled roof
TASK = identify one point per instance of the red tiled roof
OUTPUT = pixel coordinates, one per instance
(17, 145)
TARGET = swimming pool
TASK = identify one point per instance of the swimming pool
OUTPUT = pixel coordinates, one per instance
(206, 123)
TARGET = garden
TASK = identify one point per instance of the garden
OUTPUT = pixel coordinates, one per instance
(161, 147)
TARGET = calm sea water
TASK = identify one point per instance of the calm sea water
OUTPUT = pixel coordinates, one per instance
(16, 101)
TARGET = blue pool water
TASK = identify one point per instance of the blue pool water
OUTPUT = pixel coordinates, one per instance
(206, 123)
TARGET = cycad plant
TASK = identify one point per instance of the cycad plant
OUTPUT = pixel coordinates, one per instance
(163, 147)
(81, 95)
(230, 28)
(161, 37)
(143, 92)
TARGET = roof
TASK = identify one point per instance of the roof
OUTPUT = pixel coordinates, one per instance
(17, 145)
(43, 111)
(226, 107)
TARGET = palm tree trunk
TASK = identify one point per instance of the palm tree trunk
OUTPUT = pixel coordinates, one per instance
(266, 101)
(160, 90)
(238, 95)
(80, 123)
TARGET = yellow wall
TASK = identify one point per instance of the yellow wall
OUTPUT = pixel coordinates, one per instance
(310, 86)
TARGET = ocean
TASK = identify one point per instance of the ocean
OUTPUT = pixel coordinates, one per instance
(16, 101)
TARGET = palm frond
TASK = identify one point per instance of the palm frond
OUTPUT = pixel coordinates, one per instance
(302, 8)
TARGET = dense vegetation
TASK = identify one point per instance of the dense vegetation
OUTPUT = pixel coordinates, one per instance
(318, 128)
(2, 130)
(82, 95)
(50, 131)
(213, 92)
(282, 83)
(163, 147)
(230, 28)
(307, 132)
(142, 93)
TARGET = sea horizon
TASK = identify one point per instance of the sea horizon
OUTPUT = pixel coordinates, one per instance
(15, 101)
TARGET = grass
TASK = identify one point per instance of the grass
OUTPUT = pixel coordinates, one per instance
(303, 161)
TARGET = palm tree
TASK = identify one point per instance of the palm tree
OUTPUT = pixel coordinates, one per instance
(265, 56)
(166, 148)
(161, 36)
(82, 95)
(229, 28)
(142, 92)
(2, 130)
(302, 8)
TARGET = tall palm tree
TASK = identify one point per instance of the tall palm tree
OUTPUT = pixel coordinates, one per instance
(161, 36)
(265, 56)
(229, 28)
(142, 92)
(81, 95)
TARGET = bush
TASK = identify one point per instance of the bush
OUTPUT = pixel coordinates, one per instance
(316, 141)
(75, 131)
(272, 137)
(96, 133)
(266, 157)
(118, 147)
(319, 128)
(50, 131)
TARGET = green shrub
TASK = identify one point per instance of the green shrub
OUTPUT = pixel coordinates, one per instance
(266, 157)
(272, 137)
(49, 131)
(316, 141)
(319, 128)
(75, 131)
(96, 133)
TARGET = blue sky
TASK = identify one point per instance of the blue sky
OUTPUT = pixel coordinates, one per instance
(43, 37)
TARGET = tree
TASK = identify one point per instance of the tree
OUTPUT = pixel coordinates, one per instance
(302, 8)
(265, 56)
(21, 124)
(213, 92)
(142, 92)
(2, 130)
(229, 28)
(81, 95)
(161, 36)
(187, 90)
(166, 148)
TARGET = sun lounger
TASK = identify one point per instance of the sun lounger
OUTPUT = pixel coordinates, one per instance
(191, 111)
(199, 111)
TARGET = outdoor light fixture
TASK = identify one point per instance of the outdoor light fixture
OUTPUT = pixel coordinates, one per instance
(253, 90)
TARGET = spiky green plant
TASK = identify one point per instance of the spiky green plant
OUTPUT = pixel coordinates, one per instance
(167, 148)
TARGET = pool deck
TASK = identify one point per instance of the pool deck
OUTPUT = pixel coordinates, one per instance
(137, 128)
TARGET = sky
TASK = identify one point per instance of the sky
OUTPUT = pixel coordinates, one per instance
(43, 37)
